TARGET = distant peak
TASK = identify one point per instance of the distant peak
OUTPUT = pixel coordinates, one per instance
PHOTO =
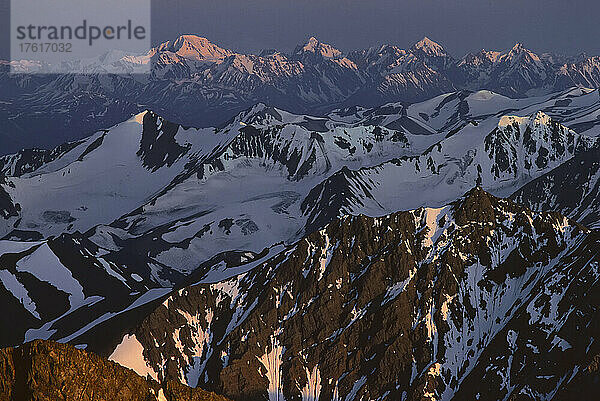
(518, 46)
(520, 52)
(190, 40)
(259, 114)
(195, 47)
(426, 42)
(429, 47)
(314, 46)
(490, 55)
(311, 45)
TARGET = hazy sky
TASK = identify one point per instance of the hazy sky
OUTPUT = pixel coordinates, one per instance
(565, 26)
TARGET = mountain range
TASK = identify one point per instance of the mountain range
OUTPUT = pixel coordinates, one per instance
(405, 251)
(199, 84)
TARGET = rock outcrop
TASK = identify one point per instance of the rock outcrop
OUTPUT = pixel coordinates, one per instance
(49, 371)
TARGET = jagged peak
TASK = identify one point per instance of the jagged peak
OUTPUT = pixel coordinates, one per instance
(538, 117)
(257, 114)
(257, 108)
(383, 49)
(475, 205)
(481, 55)
(429, 47)
(386, 47)
(475, 193)
(314, 46)
(518, 47)
(479, 206)
(312, 41)
(195, 47)
(518, 51)
(541, 118)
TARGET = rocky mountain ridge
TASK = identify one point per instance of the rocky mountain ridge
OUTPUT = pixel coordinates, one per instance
(43, 370)
(432, 294)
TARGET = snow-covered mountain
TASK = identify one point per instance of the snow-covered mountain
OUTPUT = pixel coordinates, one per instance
(149, 204)
(198, 83)
(512, 153)
(247, 258)
(107, 175)
(517, 72)
(287, 164)
(153, 160)
(157, 201)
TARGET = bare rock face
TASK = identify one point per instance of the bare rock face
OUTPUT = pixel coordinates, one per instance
(49, 371)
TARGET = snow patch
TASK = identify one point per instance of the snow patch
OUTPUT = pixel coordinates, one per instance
(19, 291)
(130, 353)
(312, 389)
(271, 361)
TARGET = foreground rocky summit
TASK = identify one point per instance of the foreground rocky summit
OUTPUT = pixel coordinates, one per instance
(419, 305)
(44, 370)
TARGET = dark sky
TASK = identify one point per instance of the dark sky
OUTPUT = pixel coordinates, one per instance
(564, 26)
